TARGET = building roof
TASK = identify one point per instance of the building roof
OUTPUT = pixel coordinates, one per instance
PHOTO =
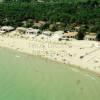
(47, 32)
(59, 32)
(70, 34)
(90, 36)
(42, 22)
(21, 28)
(32, 30)
(7, 28)
(77, 27)
(92, 33)
(1, 32)
(57, 35)
(39, 23)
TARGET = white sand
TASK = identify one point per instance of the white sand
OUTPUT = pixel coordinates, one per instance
(66, 52)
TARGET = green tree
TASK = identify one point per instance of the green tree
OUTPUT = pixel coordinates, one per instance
(98, 36)
(82, 32)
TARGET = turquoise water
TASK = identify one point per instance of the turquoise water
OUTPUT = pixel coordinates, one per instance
(25, 77)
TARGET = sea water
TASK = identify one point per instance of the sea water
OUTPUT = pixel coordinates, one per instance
(26, 77)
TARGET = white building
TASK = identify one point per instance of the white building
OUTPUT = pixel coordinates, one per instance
(21, 30)
(47, 33)
(32, 32)
(90, 37)
(71, 35)
(2, 32)
(97, 44)
(57, 35)
(7, 28)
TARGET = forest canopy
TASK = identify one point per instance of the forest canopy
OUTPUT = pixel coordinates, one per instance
(78, 13)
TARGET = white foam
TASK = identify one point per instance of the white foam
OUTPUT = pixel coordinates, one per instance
(93, 78)
(75, 70)
(17, 56)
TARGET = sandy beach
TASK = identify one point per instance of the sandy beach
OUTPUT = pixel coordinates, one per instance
(83, 54)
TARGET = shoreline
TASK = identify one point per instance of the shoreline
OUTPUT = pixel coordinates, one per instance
(69, 65)
(55, 54)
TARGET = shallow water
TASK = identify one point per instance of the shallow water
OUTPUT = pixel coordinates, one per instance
(24, 77)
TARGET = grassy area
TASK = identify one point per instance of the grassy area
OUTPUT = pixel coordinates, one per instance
(24, 77)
